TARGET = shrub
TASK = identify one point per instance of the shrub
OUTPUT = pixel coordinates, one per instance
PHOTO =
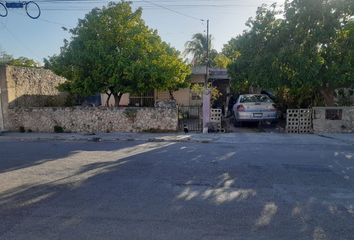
(58, 129)
(22, 129)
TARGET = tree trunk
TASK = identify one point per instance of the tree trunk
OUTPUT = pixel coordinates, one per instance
(108, 98)
(117, 97)
(328, 96)
(171, 95)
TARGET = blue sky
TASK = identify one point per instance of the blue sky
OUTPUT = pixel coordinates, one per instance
(37, 39)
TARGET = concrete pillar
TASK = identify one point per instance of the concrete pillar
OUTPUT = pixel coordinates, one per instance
(3, 98)
(206, 109)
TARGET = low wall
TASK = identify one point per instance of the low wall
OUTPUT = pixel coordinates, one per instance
(333, 119)
(90, 119)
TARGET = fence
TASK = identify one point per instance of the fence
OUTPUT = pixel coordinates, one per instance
(190, 117)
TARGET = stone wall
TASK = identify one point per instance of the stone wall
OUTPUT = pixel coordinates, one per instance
(90, 119)
(345, 123)
(28, 87)
(33, 87)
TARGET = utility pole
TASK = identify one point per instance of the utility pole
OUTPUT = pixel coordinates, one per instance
(207, 58)
(207, 92)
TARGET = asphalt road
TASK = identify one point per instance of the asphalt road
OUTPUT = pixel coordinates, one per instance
(240, 188)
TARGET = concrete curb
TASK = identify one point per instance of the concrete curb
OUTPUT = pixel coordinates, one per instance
(193, 138)
(98, 138)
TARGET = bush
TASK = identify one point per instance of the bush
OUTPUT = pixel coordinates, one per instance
(58, 129)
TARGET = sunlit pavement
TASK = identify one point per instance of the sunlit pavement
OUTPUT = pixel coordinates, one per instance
(231, 186)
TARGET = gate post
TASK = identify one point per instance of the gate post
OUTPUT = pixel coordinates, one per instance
(206, 109)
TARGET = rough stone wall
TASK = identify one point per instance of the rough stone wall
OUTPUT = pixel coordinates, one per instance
(33, 87)
(323, 125)
(90, 119)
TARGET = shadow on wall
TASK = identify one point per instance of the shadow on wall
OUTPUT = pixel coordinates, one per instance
(155, 188)
(59, 100)
(26, 101)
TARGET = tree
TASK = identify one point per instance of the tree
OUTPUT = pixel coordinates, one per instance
(307, 51)
(197, 48)
(21, 61)
(198, 89)
(221, 61)
(113, 51)
(5, 58)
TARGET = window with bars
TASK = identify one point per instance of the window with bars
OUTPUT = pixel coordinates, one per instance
(142, 100)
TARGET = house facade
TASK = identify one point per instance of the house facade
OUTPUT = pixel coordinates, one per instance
(185, 96)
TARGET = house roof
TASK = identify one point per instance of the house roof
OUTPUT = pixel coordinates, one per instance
(214, 73)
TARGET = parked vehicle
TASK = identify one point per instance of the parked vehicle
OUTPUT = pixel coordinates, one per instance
(254, 108)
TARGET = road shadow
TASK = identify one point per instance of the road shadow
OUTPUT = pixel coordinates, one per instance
(181, 191)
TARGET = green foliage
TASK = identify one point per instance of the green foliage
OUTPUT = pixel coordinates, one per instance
(113, 51)
(197, 48)
(221, 61)
(199, 89)
(310, 50)
(21, 61)
(5, 58)
(58, 129)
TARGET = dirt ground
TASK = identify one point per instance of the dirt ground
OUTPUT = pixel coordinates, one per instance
(254, 127)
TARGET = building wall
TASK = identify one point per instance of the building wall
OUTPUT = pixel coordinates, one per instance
(28, 87)
(323, 125)
(183, 97)
(33, 87)
(94, 119)
(197, 79)
(124, 101)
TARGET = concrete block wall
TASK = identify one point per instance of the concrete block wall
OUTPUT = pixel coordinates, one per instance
(299, 121)
(343, 125)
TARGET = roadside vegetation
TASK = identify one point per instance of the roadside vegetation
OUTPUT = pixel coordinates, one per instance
(303, 52)
(113, 51)
(7, 59)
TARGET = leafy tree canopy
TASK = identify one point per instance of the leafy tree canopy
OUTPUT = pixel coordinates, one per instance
(112, 50)
(308, 50)
(21, 61)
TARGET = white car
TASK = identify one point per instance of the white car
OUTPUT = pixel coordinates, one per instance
(254, 108)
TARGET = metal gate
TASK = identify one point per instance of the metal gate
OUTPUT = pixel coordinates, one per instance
(190, 117)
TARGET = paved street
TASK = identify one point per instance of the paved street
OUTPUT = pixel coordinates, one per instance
(238, 186)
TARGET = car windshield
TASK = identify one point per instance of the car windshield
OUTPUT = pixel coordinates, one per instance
(255, 98)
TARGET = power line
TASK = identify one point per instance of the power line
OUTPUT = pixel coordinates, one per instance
(18, 40)
(172, 10)
(46, 20)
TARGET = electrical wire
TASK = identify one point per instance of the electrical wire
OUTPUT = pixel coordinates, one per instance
(172, 10)
(18, 40)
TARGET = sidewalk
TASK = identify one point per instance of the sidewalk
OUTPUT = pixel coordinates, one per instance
(232, 138)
